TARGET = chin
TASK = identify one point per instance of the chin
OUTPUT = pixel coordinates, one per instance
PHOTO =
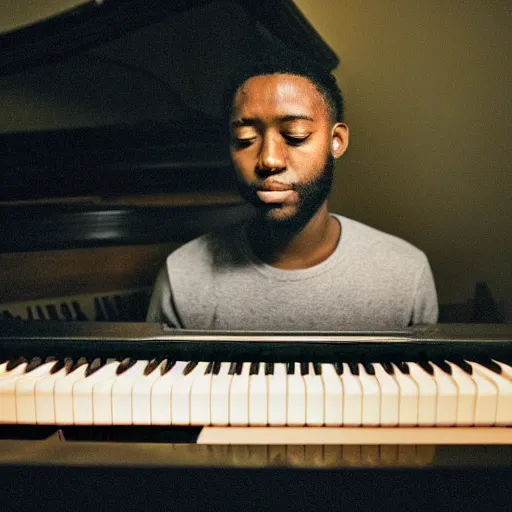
(278, 214)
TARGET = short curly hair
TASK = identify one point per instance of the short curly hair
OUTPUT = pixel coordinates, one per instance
(277, 60)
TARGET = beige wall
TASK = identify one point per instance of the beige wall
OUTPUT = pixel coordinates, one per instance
(427, 89)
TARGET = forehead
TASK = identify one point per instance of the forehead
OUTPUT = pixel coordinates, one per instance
(280, 95)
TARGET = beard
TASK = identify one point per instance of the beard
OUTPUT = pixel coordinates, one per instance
(311, 194)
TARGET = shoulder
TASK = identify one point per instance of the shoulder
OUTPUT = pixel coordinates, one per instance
(378, 245)
(207, 250)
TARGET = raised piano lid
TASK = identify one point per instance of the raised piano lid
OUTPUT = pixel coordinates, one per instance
(94, 178)
(176, 55)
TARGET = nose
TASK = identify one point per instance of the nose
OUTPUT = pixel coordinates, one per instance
(272, 158)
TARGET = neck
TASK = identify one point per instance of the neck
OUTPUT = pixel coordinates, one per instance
(314, 243)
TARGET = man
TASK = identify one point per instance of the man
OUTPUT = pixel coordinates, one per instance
(294, 266)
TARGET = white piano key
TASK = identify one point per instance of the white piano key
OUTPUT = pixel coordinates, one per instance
(63, 396)
(427, 395)
(486, 397)
(408, 407)
(352, 398)
(466, 394)
(371, 398)
(219, 401)
(239, 398)
(141, 396)
(83, 409)
(161, 413)
(446, 413)
(200, 412)
(3, 367)
(258, 398)
(277, 391)
(506, 369)
(122, 393)
(390, 397)
(504, 383)
(45, 402)
(180, 395)
(25, 393)
(7, 398)
(314, 398)
(333, 391)
(296, 402)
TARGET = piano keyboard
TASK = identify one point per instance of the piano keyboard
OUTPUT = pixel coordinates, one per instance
(124, 305)
(93, 391)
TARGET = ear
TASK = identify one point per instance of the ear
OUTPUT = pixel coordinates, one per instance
(339, 139)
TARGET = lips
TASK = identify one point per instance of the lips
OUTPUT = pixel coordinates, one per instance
(275, 186)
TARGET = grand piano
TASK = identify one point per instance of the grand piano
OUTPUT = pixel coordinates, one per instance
(100, 410)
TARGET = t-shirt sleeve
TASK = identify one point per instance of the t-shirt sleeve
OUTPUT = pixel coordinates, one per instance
(426, 308)
(161, 309)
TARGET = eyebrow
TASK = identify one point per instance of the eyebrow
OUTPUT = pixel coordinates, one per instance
(251, 121)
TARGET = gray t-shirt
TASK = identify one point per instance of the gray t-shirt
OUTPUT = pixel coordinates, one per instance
(371, 281)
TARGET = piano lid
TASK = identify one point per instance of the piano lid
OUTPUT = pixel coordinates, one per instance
(121, 97)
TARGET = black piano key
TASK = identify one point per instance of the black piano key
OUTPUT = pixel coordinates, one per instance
(354, 368)
(169, 363)
(122, 310)
(98, 310)
(151, 366)
(339, 368)
(239, 367)
(40, 313)
(61, 363)
(443, 365)
(426, 366)
(30, 314)
(489, 364)
(317, 368)
(370, 370)
(190, 367)
(232, 368)
(79, 362)
(66, 312)
(52, 312)
(109, 309)
(304, 368)
(94, 366)
(125, 364)
(79, 314)
(269, 368)
(216, 367)
(403, 367)
(209, 368)
(7, 315)
(34, 363)
(463, 365)
(255, 368)
(13, 363)
(290, 368)
(388, 367)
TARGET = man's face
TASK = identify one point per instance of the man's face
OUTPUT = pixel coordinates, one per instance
(281, 135)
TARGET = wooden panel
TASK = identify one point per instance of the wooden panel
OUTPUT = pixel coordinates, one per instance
(34, 275)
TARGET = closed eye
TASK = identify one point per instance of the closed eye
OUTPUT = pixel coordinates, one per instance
(243, 143)
(294, 140)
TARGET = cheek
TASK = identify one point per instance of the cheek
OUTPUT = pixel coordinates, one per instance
(242, 162)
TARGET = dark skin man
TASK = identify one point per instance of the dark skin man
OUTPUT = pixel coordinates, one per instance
(283, 143)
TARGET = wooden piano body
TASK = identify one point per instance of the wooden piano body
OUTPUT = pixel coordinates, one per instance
(134, 466)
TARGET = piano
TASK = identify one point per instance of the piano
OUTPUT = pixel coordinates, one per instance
(102, 411)
(140, 402)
